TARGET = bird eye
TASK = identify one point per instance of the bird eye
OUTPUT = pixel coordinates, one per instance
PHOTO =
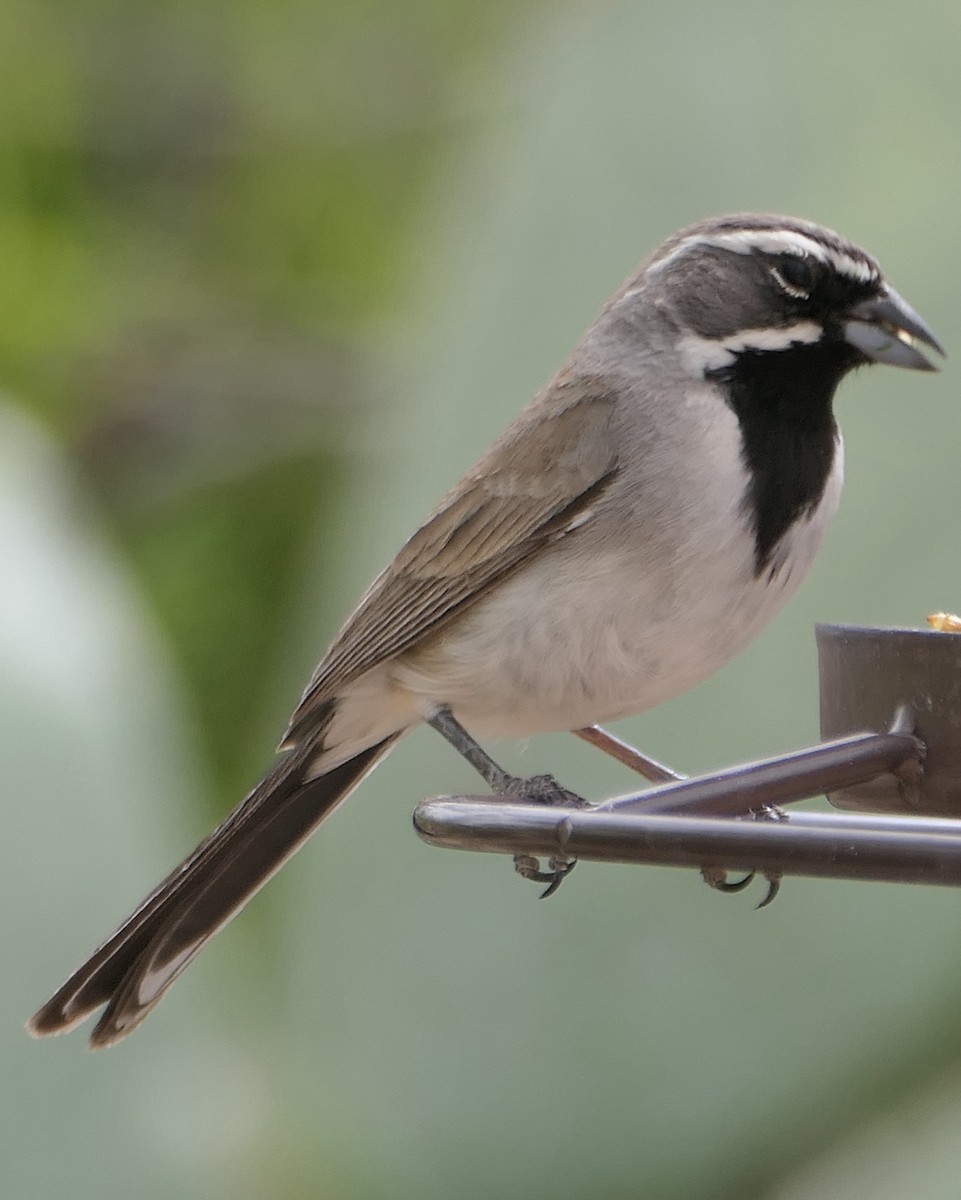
(794, 275)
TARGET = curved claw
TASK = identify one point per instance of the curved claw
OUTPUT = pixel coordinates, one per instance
(561, 868)
(773, 887)
(716, 878)
(528, 868)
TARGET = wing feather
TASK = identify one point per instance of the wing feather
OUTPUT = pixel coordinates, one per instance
(537, 481)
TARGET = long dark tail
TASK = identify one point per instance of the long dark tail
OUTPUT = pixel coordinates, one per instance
(132, 970)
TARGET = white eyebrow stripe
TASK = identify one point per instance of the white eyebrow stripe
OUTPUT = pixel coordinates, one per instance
(774, 241)
(700, 354)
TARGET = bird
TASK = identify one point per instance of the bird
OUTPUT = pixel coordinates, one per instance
(639, 522)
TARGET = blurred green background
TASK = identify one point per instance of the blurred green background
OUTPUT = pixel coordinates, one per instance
(272, 273)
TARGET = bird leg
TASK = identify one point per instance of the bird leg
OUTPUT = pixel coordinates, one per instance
(542, 789)
(627, 754)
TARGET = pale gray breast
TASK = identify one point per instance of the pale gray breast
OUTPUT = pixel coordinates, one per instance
(649, 594)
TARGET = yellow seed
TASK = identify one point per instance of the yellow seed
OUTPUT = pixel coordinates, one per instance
(945, 622)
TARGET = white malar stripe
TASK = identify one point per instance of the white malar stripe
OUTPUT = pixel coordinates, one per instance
(701, 354)
(774, 241)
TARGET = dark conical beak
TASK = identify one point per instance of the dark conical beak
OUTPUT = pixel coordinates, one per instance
(887, 330)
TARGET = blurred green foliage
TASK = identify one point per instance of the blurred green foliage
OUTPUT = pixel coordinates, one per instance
(204, 214)
(272, 274)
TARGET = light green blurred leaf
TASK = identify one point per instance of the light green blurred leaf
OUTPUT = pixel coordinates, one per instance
(98, 775)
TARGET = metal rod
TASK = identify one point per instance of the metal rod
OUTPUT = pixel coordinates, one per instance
(882, 822)
(846, 847)
(736, 791)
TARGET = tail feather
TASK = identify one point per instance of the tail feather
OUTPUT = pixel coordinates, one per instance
(133, 969)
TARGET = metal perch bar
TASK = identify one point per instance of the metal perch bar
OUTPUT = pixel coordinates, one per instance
(785, 779)
(689, 822)
(831, 845)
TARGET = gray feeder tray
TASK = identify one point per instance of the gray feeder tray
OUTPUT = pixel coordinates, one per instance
(870, 674)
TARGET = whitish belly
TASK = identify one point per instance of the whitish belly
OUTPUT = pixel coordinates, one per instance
(567, 645)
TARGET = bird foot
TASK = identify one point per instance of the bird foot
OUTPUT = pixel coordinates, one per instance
(716, 878)
(529, 868)
(543, 789)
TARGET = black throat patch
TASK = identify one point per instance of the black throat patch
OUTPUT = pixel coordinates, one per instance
(782, 400)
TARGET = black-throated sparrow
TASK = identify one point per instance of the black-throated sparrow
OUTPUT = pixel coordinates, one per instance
(638, 523)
